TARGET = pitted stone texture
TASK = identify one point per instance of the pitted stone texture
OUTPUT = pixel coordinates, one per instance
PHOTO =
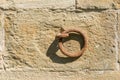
(118, 35)
(98, 4)
(117, 4)
(1, 34)
(1, 40)
(43, 75)
(30, 40)
(101, 42)
(55, 4)
(5, 3)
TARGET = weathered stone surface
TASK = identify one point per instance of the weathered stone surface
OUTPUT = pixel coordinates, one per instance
(117, 4)
(118, 35)
(1, 28)
(29, 50)
(99, 4)
(3, 2)
(36, 75)
(30, 40)
(44, 3)
(6, 4)
(1, 40)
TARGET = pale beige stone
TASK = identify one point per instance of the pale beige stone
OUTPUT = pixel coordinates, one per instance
(1, 28)
(118, 36)
(98, 4)
(44, 3)
(3, 2)
(43, 75)
(117, 4)
(30, 41)
(29, 50)
(1, 41)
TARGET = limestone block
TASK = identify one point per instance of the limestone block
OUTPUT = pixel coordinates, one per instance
(30, 40)
(44, 3)
(98, 4)
(36, 75)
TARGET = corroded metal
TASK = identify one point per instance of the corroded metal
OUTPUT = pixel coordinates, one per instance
(65, 34)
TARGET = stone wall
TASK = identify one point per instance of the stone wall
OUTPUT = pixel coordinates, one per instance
(29, 50)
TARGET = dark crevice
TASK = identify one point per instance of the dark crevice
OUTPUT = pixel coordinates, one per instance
(16, 58)
(75, 4)
(80, 10)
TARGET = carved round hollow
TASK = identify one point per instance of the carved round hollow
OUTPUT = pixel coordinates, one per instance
(66, 34)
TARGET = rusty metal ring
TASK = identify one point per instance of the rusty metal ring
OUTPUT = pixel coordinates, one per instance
(65, 34)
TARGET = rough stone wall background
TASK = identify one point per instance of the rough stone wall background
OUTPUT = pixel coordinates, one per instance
(29, 50)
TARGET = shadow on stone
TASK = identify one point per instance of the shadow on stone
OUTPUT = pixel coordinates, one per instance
(53, 48)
